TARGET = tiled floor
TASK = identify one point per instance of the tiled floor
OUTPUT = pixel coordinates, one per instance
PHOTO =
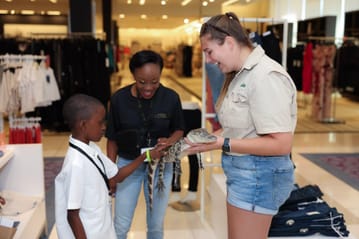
(198, 224)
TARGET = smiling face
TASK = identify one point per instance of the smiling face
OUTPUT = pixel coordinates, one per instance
(147, 79)
(216, 53)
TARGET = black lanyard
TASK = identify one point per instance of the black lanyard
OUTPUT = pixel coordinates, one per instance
(103, 174)
(147, 121)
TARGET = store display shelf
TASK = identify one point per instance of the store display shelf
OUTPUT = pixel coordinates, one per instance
(31, 223)
(8, 154)
(22, 186)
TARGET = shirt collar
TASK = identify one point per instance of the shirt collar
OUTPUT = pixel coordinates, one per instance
(254, 57)
(86, 147)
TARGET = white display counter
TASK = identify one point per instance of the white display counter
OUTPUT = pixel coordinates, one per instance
(22, 177)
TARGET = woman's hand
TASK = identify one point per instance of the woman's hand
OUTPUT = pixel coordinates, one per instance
(195, 148)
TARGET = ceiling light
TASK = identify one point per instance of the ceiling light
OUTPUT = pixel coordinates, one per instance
(122, 16)
(12, 12)
(142, 2)
(204, 3)
(32, 0)
(4, 11)
(8, 0)
(163, 2)
(164, 16)
(27, 12)
(185, 2)
(53, 13)
(143, 16)
(186, 20)
(211, 0)
(229, 2)
(53, 1)
(42, 12)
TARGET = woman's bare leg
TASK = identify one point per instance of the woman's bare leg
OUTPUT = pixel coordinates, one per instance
(244, 224)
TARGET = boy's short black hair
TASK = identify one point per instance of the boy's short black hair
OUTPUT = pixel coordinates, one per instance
(79, 107)
(143, 57)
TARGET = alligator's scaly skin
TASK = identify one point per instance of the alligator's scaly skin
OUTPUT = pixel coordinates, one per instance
(174, 154)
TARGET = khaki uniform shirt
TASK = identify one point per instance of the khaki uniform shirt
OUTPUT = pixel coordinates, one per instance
(261, 99)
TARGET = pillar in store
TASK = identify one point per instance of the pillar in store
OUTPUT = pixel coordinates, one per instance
(81, 16)
(107, 20)
(1, 30)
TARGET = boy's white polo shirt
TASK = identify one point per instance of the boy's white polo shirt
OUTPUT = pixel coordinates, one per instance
(79, 185)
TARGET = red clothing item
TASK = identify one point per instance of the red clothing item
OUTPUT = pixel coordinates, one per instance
(29, 135)
(210, 106)
(37, 134)
(307, 69)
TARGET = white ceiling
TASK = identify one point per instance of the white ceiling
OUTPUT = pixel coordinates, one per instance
(152, 8)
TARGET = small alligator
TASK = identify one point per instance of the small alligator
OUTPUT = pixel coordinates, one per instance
(174, 154)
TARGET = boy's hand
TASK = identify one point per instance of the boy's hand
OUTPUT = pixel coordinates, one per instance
(2, 201)
(113, 183)
(157, 152)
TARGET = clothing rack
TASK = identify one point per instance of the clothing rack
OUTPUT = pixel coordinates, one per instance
(101, 35)
(285, 33)
(22, 57)
(40, 91)
(205, 115)
(332, 39)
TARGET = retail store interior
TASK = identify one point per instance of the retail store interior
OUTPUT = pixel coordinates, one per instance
(91, 55)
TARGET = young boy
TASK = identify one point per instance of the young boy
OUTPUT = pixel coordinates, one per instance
(82, 202)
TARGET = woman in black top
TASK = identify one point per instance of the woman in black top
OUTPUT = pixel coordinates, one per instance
(141, 116)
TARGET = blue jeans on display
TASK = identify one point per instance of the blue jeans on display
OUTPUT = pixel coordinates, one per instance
(127, 194)
(309, 219)
(307, 193)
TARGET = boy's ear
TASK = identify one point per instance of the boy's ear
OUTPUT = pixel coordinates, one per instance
(82, 123)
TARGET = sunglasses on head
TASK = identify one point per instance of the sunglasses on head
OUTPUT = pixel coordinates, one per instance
(217, 28)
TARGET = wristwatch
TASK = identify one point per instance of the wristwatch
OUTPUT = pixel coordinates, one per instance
(226, 147)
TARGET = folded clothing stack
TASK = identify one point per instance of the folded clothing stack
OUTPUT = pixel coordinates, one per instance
(305, 213)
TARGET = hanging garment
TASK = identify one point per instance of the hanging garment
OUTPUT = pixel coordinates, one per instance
(348, 70)
(255, 38)
(295, 65)
(271, 46)
(322, 81)
(307, 68)
(187, 61)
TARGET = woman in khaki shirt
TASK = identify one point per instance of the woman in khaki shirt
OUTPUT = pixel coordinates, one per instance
(258, 112)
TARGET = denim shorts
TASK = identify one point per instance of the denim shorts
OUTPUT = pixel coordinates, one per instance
(258, 183)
